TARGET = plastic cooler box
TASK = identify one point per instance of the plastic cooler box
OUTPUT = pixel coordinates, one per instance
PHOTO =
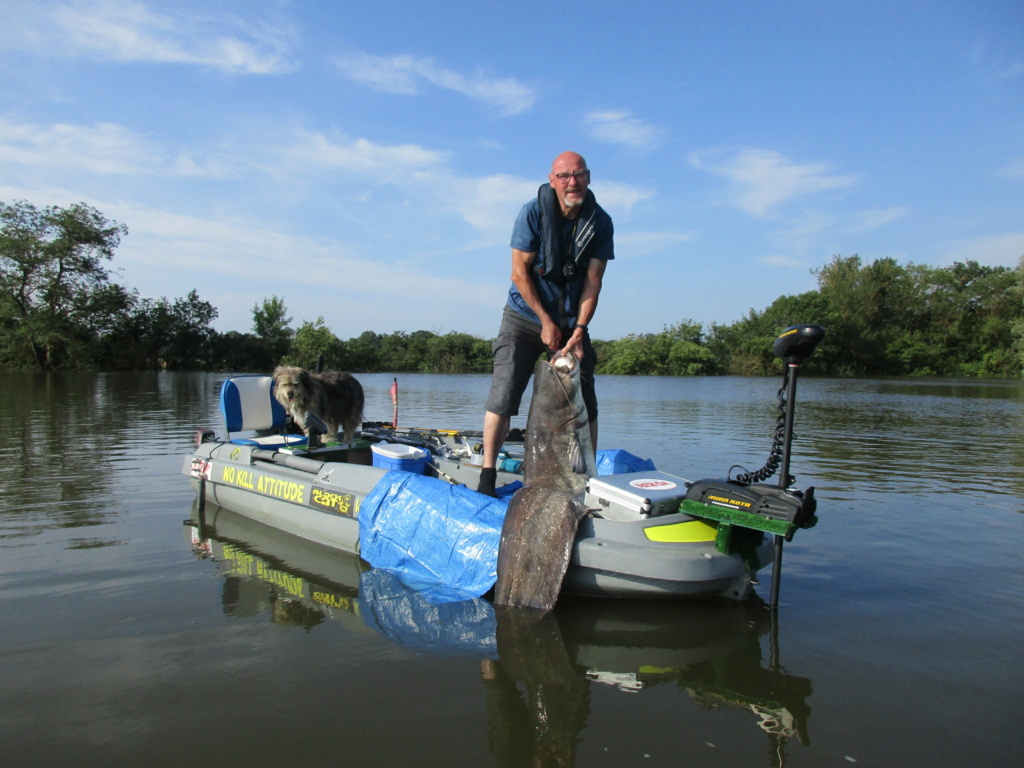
(635, 495)
(402, 457)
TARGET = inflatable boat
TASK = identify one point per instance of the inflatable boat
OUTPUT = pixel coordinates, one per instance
(402, 499)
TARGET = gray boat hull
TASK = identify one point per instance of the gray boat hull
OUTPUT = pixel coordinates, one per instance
(634, 556)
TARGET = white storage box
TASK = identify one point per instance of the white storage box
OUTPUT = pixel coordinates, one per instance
(635, 495)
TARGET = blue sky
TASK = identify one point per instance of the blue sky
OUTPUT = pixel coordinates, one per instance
(365, 161)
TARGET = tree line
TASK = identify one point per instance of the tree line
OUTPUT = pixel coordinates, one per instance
(60, 308)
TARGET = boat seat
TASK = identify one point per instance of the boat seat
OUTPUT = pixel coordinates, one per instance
(247, 404)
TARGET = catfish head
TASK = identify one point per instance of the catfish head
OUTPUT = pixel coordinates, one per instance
(559, 454)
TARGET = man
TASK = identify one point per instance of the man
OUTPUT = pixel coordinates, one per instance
(561, 244)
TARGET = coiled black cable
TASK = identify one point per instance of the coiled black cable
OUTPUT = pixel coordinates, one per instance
(775, 455)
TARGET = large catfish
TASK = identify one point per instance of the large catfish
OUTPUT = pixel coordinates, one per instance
(542, 518)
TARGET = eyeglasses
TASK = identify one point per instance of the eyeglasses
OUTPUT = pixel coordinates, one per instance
(563, 178)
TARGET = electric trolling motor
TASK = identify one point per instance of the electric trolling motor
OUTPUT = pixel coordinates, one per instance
(746, 500)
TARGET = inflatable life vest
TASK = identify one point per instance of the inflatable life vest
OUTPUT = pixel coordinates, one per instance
(563, 262)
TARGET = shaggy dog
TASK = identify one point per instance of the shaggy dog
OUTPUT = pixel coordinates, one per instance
(335, 397)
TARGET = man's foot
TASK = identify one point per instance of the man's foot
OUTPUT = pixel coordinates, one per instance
(488, 477)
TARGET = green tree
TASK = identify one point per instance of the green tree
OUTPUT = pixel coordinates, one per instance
(364, 352)
(860, 307)
(679, 350)
(888, 319)
(128, 345)
(182, 334)
(745, 347)
(457, 353)
(1017, 326)
(976, 316)
(688, 353)
(401, 351)
(55, 292)
(234, 351)
(313, 340)
(270, 322)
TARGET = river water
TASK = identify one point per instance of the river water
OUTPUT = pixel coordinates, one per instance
(126, 639)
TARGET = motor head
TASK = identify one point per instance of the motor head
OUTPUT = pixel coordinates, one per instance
(798, 342)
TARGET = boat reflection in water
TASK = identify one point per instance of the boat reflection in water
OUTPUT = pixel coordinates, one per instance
(537, 670)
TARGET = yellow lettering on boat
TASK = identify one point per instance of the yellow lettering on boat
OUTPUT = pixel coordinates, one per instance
(288, 490)
(281, 579)
(333, 501)
(336, 601)
(240, 477)
(241, 561)
(731, 502)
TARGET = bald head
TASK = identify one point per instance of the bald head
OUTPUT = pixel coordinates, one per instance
(569, 178)
(567, 162)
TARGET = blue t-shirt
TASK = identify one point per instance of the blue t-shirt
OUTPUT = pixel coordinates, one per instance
(526, 236)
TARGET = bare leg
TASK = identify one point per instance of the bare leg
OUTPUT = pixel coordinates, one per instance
(495, 432)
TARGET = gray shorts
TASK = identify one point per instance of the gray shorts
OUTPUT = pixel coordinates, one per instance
(516, 350)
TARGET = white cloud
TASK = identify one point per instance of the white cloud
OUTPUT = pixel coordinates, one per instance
(1012, 71)
(491, 203)
(630, 244)
(617, 127)
(863, 221)
(488, 203)
(389, 162)
(1014, 169)
(784, 262)
(805, 232)
(763, 180)
(104, 148)
(615, 196)
(231, 258)
(167, 254)
(394, 75)
(403, 74)
(1001, 250)
(128, 31)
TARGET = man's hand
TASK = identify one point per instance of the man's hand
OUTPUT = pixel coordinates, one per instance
(575, 344)
(550, 333)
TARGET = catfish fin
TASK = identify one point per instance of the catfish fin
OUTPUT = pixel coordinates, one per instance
(579, 464)
(536, 546)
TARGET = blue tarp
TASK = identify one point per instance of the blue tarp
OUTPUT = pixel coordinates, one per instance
(407, 616)
(441, 539)
(618, 462)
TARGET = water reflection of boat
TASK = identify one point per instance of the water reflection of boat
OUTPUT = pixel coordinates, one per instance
(712, 650)
(538, 672)
(296, 581)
